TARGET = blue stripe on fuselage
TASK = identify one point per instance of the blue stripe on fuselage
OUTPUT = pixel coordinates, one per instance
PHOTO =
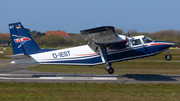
(79, 61)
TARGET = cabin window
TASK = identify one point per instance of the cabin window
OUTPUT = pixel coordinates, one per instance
(136, 42)
(147, 40)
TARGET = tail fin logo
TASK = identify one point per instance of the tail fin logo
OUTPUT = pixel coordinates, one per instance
(17, 27)
(21, 40)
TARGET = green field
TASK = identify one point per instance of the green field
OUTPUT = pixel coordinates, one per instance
(6, 51)
(88, 92)
(98, 92)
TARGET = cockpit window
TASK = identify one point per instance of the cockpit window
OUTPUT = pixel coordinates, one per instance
(147, 40)
(136, 42)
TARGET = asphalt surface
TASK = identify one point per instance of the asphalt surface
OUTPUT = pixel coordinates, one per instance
(18, 73)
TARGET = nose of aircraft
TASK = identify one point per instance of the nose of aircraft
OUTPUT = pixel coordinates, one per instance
(168, 44)
(163, 45)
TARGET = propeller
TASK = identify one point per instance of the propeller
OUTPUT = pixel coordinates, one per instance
(129, 34)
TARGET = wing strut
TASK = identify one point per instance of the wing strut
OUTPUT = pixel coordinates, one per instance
(103, 53)
(104, 57)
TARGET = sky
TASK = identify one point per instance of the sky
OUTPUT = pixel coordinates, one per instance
(75, 15)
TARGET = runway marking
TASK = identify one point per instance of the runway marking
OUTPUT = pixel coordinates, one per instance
(4, 64)
(62, 78)
(5, 78)
(108, 75)
(103, 78)
(48, 78)
(5, 74)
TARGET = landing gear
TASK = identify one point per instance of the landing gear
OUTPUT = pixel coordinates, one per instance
(104, 57)
(168, 56)
(111, 71)
(108, 68)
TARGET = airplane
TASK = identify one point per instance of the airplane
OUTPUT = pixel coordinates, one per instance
(104, 46)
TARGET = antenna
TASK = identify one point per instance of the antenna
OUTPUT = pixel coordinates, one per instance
(97, 24)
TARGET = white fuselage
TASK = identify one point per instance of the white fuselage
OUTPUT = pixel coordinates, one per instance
(84, 55)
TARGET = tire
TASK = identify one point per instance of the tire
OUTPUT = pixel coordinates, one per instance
(107, 66)
(111, 71)
(168, 57)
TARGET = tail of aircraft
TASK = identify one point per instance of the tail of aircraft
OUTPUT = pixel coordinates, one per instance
(22, 42)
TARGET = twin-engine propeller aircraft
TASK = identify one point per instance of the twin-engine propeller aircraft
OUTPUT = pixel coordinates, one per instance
(105, 46)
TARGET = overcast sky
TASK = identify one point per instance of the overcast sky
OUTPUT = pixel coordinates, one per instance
(75, 15)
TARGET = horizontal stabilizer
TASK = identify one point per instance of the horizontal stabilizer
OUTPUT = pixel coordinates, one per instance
(19, 56)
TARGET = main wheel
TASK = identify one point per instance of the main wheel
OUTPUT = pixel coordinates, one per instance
(111, 71)
(107, 66)
(168, 57)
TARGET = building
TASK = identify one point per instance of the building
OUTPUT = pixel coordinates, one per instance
(5, 43)
(5, 35)
(5, 39)
(58, 32)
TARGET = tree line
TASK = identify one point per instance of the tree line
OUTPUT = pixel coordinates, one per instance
(56, 40)
(76, 39)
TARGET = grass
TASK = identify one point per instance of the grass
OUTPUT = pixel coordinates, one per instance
(14, 91)
(88, 91)
(6, 51)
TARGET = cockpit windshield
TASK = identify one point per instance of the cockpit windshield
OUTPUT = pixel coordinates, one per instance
(136, 42)
(147, 40)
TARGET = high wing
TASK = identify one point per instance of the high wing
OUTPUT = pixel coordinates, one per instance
(104, 36)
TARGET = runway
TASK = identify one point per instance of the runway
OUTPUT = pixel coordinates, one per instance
(18, 73)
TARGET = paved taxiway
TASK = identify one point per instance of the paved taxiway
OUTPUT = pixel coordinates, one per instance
(17, 73)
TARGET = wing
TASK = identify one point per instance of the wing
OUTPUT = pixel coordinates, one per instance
(104, 36)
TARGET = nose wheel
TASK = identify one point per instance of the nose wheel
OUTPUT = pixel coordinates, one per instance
(168, 57)
(108, 68)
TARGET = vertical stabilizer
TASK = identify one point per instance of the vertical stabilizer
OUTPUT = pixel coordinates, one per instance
(22, 42)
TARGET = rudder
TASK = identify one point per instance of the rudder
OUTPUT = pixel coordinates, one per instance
(22, 42)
